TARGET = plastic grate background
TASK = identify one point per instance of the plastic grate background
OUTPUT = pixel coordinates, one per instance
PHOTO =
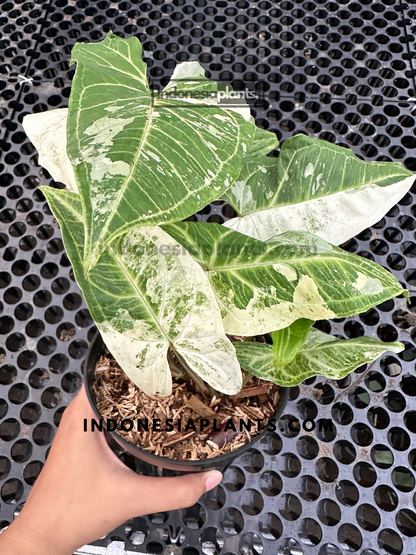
(341, 71)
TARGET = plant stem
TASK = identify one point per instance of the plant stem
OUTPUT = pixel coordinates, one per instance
(204, 388)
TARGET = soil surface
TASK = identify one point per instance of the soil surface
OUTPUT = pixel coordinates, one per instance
(188, 424)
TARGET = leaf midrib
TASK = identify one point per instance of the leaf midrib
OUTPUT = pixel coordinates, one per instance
(132, 168)
(137, 290)
(302, 260)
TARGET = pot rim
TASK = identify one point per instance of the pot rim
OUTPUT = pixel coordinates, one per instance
(97, 345)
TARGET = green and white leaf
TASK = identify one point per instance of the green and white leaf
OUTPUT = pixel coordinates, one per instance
(47, 132)
(139, 158)
(314, 186)
(321, 355)
(147, 294)
(262, 287)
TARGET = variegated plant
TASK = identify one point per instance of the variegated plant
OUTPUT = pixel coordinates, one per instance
(137, 162)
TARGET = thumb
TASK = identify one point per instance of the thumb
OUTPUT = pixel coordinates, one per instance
(153, 495)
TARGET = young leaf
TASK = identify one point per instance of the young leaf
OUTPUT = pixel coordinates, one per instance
(314, 186)
(47, 132)
(289, 341)
(139, 158)
(147, 294)
(321, 355)
(266, 286)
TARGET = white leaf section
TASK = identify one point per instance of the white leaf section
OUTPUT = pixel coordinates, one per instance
(335, 218)
(47, 132)
(185, 316)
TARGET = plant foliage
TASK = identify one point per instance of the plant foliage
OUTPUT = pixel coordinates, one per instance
(137, 162)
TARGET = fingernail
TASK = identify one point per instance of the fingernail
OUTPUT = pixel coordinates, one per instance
(213, 478)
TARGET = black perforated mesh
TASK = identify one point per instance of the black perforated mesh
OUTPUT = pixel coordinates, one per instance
(341, 71)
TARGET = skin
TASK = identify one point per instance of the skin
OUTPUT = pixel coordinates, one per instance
(84, 491)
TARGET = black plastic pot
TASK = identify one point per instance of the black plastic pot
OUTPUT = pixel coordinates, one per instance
(155, 464)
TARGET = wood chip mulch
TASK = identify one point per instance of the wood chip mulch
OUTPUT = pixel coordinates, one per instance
(118, 398)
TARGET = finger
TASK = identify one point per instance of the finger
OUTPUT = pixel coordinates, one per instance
(152, 495)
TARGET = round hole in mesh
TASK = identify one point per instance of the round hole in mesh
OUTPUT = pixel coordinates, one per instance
(271, 444)
(30, 413)
(38, 378)
(251, 502)
(362, 434)
(382, 456)
(307, 447)
(290, 508)
(290, 465)
(398, 438)
(309, 488)
(323, 393)
(43, 434)
(344, 452)
(406, 522)
(5, 467)
(234, 479)
(270, 483)
(252, 461)
(136, 531)
(378, 418)
(347, 493)
(8, 374)
(215, 499)
(365, 474)
(9, 429)
(194, 517)
(51, 397)
(232, 521)
(58, 363)
(326, 469)
(403, 479)
(71, 382)
(12, 491)
(390, 542)
(386, 498)
(270, 526)
(211, 541)
(18, 393)
(329, 512)
(410, 421)
(368, 517)
(21, 451)
(349, 537)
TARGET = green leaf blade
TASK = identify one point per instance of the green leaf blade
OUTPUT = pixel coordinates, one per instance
(314, 186)
(321, 355)
(139, 160)
(262, 287)
(146, 295)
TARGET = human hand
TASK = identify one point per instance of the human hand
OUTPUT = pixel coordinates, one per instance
(84, 491)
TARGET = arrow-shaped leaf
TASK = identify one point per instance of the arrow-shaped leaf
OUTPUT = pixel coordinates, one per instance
(321, 355)
(141, 158)
(147, 294)
(262, 287)
(314, 186)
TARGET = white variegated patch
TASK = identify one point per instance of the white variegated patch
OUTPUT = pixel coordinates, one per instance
(185, 317)
(142, 353)
(259, 318)
(47, 132)
(335, 218)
